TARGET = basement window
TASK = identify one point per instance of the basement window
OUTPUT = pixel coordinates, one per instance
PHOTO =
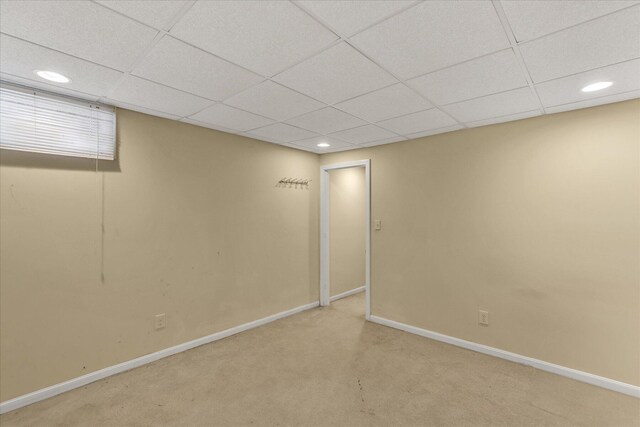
(40, 122)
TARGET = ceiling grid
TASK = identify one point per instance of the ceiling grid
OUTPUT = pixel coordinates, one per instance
(352, 74)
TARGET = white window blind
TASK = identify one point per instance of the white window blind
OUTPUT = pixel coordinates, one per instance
(38, 122)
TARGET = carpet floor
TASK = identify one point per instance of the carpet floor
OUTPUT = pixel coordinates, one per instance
(328, 367)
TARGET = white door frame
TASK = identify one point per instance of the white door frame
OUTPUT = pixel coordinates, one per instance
(325, 218)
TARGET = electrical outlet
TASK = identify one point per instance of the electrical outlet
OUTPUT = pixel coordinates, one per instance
(483, 317)
(161, 321)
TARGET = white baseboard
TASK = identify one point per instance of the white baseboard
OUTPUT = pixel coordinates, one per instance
(586, 377)
(56, 389)
(347, 294)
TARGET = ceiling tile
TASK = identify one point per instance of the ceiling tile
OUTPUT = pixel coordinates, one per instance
(274, 101)
(489, 74)
(434, 132)
(418, 122)
(230, 118)
(625, 77)
(497, 105)
(384, 141)
(149, 111)
(208, 125)
(292, 145)
(312, 144)
(143, 93)
(157, 14)
(83, 29)
(9, 78)
(350, 17)
(263, 36)
(605, 41)
(264, 139)
(532, 19)
(363, 134)
(385, 103)
(455, 53)
(595, 102)
(336, 74)
(455, 31)
(326, 121)
(341, 149)
(20, 58)
(281, 132)
(176, 64)
(503, 119)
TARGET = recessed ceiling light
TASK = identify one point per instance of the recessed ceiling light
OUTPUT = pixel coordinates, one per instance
(596, 86)
(324, 145)
(52, 76)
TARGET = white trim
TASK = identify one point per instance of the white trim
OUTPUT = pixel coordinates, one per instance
(325, 245)
(45, 393)
(347, 294)
(585, 377)
(324, 237)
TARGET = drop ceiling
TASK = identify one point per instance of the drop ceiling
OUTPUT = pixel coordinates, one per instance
(350, 73)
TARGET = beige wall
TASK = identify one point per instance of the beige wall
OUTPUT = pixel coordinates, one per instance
(195, 227)
(536, 221)
(347, 229)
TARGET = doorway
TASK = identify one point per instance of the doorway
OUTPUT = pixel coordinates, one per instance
(325, 230)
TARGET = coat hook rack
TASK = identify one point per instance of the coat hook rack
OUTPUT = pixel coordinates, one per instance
(291, 182)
